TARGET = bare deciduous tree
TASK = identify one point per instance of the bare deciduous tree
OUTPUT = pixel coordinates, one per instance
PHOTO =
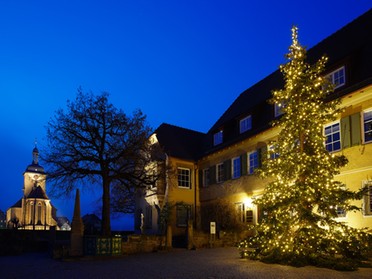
(94, 143)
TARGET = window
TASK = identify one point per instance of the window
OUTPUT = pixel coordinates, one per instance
(367, 126)
(218, 138)
(220, 177)
(337, 77)
(272, 154)
(340, 212)
(252, 161)
(367, 202)
(249, 216)
(39, 213)
(333, 139)
(184, 180)
(245, 124)
(183, 214)
(206, 181)
(236, 167)
(244, 214)
(279, 109)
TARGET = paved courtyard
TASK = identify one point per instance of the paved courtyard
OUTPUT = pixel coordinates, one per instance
(178, 263)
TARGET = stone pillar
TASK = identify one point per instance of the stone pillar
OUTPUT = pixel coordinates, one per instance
(169, 237)
(190, 235)
(77, 229)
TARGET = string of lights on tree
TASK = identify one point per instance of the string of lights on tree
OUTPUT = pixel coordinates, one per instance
(300, 203)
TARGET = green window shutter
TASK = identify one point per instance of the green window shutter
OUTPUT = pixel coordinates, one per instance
(227, 169)
(355, 129)
(262, 155)
(345, 132)
(212, 175)
(243, 163)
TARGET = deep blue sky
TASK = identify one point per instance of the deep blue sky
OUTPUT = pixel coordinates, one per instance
(180, 62)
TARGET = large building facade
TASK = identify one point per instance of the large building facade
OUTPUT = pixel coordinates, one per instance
(34, 211)
(205, 168)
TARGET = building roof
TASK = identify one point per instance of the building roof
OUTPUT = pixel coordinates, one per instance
(17, 204)
(180, 142)
(34, 166)
(350, 46)
(37, 193)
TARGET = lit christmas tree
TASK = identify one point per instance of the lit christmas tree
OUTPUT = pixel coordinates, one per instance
(302, 200)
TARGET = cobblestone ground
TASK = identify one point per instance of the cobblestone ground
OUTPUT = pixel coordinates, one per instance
(177, 263)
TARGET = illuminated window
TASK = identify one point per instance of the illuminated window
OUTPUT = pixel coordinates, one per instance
(39, 213)
(245, 215)
(220, 174)
(184, 180)
(249, 216)
(218, 138)
(252, 161)
(337, 77)
(236, 167)
(367, 126)
(333, 138)
(183, 214)
(206, 181)
(245, 124)
(367, 202)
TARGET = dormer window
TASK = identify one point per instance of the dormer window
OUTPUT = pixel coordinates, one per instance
(337, 77)
(245, 124)
(217, 138)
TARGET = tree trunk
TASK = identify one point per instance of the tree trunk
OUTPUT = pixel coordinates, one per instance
(106, 226)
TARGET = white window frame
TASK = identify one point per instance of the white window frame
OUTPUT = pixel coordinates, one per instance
(185, 183)
(364, 126)
(218, 138)
(367, 199)
(333, 142)
(220, 173)
(334, 78)
(206, 178)
(245, 124)
(236, 167)
(251, 161)
(341, 213)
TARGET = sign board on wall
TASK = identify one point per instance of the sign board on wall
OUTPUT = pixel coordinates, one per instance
(213, 227)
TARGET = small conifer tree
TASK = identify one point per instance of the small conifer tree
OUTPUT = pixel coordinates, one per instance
(301, 202)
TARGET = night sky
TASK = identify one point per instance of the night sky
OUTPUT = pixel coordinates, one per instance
(180, 62)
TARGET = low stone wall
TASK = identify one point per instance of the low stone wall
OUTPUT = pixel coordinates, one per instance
(143, 244)
(222, 239)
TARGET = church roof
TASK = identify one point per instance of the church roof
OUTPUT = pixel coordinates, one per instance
(34, 166)
(17, 204)
(38, 193)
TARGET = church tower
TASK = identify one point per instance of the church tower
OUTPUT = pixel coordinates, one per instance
(34, 174)
(34, 211)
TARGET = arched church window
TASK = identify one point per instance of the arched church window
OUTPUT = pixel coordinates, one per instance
(39, 213)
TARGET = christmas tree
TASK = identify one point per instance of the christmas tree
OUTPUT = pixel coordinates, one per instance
(302, 200)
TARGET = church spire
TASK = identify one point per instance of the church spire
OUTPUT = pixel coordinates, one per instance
(35, 155)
